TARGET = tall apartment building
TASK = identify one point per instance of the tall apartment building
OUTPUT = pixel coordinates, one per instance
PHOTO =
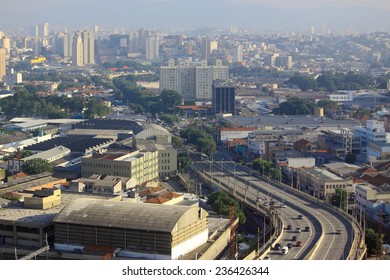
(192, 81)
(77, 50)
(83, 48)
(5, 42)
(152, 48)
(2, 63)
(64, 44)
(206, 48)
(238, 54)
(140, 165)
(88, 47)
(223, 100)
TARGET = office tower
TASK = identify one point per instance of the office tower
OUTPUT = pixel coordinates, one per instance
(88, 47)
(133, 42)
(238, 54)
(223, 99)
(152, 48)
(206, 48)
(77, 50)
(68, 45)
(2, 62)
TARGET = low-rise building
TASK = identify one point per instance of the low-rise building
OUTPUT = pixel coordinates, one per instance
(373, 203)
(322, 183)
(132, 230)
(140, 165)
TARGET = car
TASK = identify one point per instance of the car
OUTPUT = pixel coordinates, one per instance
(307, 228)
(267, 258)
(266, 203)
(277, 246)
(284, 250)
(289, 245)
(299, 244)
(289, 227)
(259, 200)
(283, 205)
(294, 238)
(338, 231)
(272, 202)
(298, 230)
(300, 217)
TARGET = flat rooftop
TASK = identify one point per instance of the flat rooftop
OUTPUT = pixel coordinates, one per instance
(17, 212)
(291, 121)
(323, 174)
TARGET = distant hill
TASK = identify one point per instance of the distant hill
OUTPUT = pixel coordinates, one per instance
(189, 14)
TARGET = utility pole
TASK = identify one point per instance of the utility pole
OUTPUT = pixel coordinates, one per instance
(232, 242)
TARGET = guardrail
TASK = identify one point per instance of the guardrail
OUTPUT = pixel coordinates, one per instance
(276, 234)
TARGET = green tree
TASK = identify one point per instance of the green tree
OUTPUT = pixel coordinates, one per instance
(36, 166)
(96, 108)
(340, 198)
(263, 166)
(170, 99)
(295, 106)
(221, 202)
(169, 118)
(177, 142)
(326, 81)
(328, 105)
(184, 162)
(304, 83)
(374, 242)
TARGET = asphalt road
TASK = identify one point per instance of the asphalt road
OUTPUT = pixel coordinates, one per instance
(315, 215)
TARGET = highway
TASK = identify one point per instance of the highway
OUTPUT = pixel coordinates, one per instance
(323, 223)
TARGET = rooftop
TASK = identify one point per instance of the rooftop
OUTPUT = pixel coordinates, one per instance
(323, 174)
(291, 121)
(139, 216)
(17, 212)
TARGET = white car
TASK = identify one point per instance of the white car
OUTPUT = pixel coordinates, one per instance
(283, 205)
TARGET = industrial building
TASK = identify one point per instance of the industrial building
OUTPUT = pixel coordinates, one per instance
(131, 230)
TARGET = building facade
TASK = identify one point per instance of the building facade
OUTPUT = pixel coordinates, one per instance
(223, 99)
(140, 165)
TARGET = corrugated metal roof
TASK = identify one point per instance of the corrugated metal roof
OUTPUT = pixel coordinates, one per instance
(135, 216)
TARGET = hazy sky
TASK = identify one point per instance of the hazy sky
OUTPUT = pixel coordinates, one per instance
(367, 14)
(382, 4)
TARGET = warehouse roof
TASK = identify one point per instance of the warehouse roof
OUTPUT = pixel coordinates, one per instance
(137, 216)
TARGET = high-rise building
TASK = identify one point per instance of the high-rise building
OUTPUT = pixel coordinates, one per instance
(6, 43)
(88, 47)
(152, 48)
(238, 54)
(192, 81)
(2, 62)
(223, 99)
(44, 29)
(77, 50)
(34, 31)
(206, 48)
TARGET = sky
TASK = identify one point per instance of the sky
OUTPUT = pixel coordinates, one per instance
(369, 14)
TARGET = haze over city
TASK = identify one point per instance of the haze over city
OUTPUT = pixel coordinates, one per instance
(362, 15)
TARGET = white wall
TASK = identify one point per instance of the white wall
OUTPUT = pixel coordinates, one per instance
(190, 244)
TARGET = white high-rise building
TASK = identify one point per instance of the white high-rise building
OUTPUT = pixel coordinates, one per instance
(77, 50)
(3, 62)
(152, 48)
(192, 81)
(44, 29)
(88, 47)
(238, 54)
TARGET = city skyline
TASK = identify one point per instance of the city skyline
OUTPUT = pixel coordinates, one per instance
(174, 14)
